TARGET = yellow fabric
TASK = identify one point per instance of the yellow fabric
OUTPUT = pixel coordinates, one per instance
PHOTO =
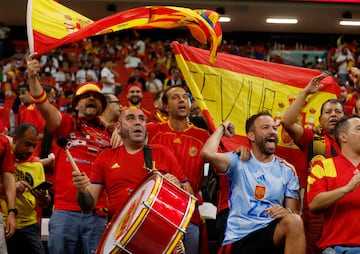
(32, 172)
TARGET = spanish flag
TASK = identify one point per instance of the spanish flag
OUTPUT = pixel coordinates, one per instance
(50, 24)
(234, 88)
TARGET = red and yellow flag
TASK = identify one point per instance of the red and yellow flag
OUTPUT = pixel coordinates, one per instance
(234, 88)
(50, 24)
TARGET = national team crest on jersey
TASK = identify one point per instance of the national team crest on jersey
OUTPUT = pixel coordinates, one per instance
(259, 192)
(193, 151)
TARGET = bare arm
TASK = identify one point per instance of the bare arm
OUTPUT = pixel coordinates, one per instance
(326, 199)
(50, 113)
(88, 194)
(289, 119)
(10, 195)
(210, 152)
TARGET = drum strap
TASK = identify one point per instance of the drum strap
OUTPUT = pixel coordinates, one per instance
(148, 158)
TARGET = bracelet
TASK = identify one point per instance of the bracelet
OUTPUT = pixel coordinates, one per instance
(289, 210)
(39, 99)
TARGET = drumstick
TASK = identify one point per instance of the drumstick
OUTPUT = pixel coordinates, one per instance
(62, 142)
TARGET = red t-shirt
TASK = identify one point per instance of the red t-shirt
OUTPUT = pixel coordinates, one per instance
(186, 146)
(6, 158)
(121, 172)
(5, 115)
(85, 142)
(32, 115)
(338, 228)
(304, 144)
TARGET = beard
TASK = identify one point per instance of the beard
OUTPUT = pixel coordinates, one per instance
(267, 145)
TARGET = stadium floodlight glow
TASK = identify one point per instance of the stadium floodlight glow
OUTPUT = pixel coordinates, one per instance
(281, 21)
(224, 19)
(349, 22)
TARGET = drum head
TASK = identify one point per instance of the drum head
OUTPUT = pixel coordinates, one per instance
(125, 223)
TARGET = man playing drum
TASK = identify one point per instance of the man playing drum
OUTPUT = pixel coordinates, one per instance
(119, 171)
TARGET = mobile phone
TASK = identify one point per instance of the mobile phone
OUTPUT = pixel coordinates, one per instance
(43, 186)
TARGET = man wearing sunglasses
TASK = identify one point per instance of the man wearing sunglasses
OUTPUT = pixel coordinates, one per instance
(70, 229)
(28, 112)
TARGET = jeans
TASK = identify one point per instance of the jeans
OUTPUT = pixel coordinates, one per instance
(3, 248)
(70, 232)
(192, 239)
(29, 237)
(341, 250)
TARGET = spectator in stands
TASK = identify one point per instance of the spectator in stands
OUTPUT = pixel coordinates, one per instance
(68, 84)
(108, 77)
(334, 190)
(7, 115)
(185, 141)
(28, 112)
(314, 146)
(70, 230)
(174, 79)
(153, 84)
(134, 97)
(348, 102)
(196, 116)
(139, 77)
(159, 73)
(8, 227)
(132, 61)
(160, 115)
(67, 107)
(85, 73)
(111, 114)
(14, 77)
(343, 62)
(28, 174)
(263, 218)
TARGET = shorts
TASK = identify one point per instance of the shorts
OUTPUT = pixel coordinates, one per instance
(259, 241)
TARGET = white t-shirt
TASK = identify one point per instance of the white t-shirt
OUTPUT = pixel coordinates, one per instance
(105, 72)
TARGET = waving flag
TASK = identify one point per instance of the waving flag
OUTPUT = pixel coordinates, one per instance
(50, 24)
(234, 88)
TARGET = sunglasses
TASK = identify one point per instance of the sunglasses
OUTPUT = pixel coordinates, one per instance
(89, 94)
(21, 91)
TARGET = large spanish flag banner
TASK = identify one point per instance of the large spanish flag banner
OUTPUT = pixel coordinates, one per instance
(50, 24)
(234, 88)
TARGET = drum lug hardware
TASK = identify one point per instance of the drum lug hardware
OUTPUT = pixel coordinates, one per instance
(122, 247)
(166, 219)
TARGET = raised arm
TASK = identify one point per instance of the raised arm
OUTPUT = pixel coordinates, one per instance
(210, 152)
(289, 121)
(49, 112)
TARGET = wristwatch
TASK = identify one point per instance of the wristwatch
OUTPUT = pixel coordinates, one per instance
(13, 210)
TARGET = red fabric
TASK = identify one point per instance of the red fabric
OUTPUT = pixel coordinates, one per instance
(32, 115)
(338, 171)
(121, 172)
(6, 158)
(87, 140)
(4, 115)
(186, 146)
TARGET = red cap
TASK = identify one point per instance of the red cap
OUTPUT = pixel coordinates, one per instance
(134, 84)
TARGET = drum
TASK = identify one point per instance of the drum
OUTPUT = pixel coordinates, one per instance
(152, 221)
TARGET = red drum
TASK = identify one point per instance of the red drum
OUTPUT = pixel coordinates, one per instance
(152, 221)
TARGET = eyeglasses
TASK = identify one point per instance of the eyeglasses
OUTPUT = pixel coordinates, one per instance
(116, 102)
(21, 91)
